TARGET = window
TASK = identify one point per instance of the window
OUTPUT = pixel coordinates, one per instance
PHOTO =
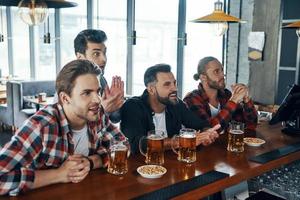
(45, 53)
(21, 53)
(73, 20)
(3, 45)
(201, 41)
(156, 27)
(114, 25)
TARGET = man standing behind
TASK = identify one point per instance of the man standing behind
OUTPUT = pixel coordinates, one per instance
(89, 44)
(160, 109)
(213, 102)
(62, 142)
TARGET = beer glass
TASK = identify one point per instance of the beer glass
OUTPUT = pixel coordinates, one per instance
(236, 137)
(187, 145)
(118, 153)
(154, 147)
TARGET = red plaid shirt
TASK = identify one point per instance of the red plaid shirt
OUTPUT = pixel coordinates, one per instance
(197, 101)
(45, 141)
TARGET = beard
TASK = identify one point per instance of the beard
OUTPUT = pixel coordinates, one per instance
(91, 113)
(167, 100)
(218, 85)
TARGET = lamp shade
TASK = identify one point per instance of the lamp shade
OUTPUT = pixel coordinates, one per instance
(293, 25)
(218, 20)
(50, 3)
(217, 16)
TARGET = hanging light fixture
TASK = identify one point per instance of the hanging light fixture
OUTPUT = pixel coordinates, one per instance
(1, 26)
(218, 19)
(295, 25)
(34, 12)
(98, 14)
(47, 36)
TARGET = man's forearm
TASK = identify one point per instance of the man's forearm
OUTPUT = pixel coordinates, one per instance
(46, 177)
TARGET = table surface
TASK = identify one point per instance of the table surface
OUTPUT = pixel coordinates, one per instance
(49, 100)
(2, 93)
(101, 185)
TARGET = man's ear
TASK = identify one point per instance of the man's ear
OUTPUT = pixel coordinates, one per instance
(203, 77)
(151, 89)
(80, 55)
(64, 98)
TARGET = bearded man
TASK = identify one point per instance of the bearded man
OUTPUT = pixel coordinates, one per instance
(159, 108)
(213, 102)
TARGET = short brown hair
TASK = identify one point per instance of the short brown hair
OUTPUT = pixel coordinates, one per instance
(68, 74)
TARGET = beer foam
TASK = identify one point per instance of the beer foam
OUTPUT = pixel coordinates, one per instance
(155, 137)
(120, 148)
(236, 132)
(185, 135)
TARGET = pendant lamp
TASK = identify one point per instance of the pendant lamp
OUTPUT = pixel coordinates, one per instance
(218, 19)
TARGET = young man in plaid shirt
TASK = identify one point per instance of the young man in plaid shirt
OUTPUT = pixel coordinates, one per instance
(62, 142)
(214, 102)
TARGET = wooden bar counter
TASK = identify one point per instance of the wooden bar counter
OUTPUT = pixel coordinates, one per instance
(101, 185)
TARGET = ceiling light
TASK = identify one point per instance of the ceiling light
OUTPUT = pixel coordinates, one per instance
(1, 26)
(33, 12)
(295, 25)
(218, 19)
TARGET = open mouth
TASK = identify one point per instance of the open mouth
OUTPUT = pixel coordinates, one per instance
(102, 66)
(173, 95)
(94, 109)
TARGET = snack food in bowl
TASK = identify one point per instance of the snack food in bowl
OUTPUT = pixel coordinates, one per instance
(151, 171)
(255, 142)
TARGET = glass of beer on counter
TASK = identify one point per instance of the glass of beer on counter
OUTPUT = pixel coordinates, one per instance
(236, 137)
(118, 153)
(152, 147)
(186, 146)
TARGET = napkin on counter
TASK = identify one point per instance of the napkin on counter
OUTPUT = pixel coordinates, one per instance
(256, 42)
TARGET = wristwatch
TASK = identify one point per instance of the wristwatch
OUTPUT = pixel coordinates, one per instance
(91, 163)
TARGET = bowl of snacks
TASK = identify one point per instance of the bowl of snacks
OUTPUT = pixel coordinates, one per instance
(254, 142)
(151, 171)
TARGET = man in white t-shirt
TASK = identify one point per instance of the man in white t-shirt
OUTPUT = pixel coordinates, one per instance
(160, 108)
(62, 142)
(213, 102)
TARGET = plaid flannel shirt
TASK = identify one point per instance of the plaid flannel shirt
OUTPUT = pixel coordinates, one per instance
(197, 101)
(45, 141)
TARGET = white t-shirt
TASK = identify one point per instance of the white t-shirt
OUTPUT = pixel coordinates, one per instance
(213, 110)
(81, 141)
(159, 120)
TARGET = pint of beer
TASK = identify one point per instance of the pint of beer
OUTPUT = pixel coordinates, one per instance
(118, 153)
(187, 145)
(154, 147)
(42, 97)
(236, 137)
